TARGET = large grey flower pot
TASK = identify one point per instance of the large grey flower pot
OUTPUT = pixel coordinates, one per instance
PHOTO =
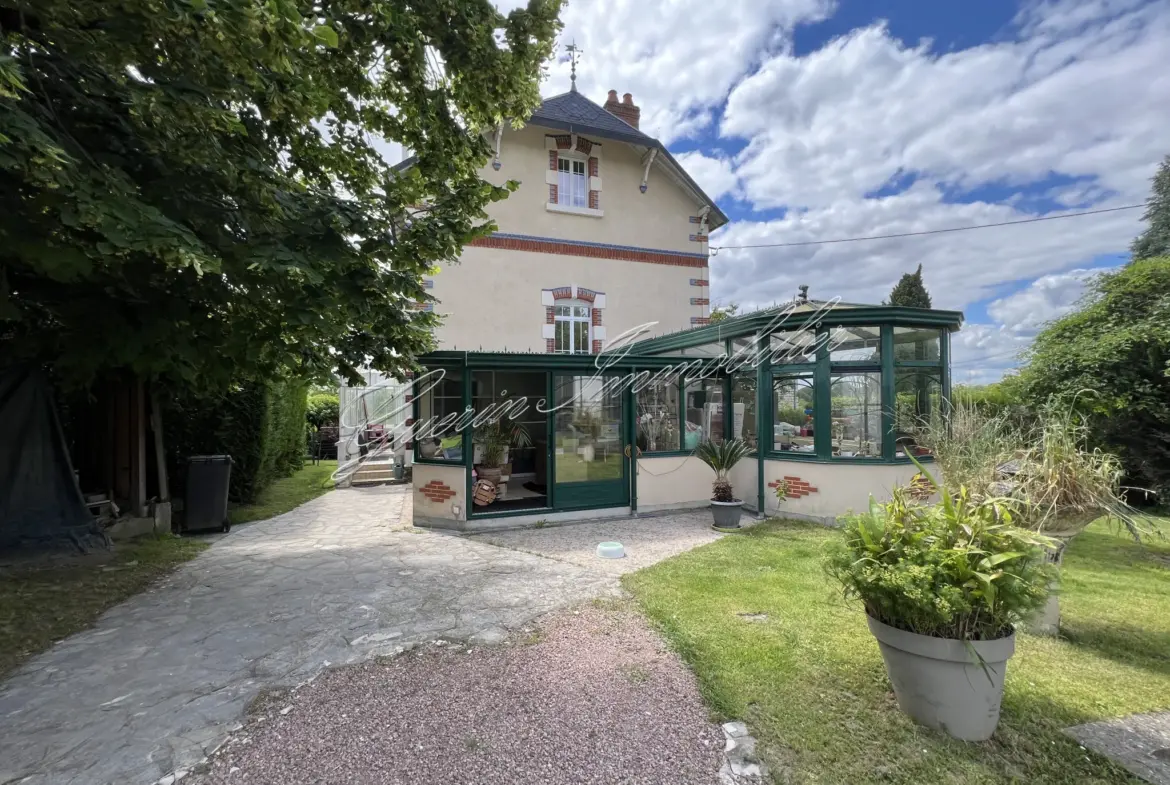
(727, 513)
(940, 682)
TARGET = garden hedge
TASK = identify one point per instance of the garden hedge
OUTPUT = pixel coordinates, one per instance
(261, 426)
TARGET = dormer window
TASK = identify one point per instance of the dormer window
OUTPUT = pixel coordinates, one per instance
(572, 182)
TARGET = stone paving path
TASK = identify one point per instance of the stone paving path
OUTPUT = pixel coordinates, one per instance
(161, 679)
(1139, 742)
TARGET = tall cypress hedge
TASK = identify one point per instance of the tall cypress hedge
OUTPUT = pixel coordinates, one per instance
(261, 426)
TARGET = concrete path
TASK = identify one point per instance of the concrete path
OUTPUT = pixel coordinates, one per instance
(646, 540)
(1139, 742)
(161, 679)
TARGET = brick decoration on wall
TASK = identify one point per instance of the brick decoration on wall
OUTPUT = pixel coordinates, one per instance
(552, 197)
(424, 307)
(585, 295)
(696, 219)
(428, 283)
(594, 196)
(700, 301)
(698, 238)
(700, 320)
(588, 295)
(549, 315)
(564, 141)
(590, 250)
(795, 487)
(563, 293)
(584, 145)
(437, 491)
(699, 282)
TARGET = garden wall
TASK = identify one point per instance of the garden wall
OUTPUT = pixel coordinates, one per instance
(825, 491)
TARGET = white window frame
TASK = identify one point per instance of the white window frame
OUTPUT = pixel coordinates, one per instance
(571, 318)
(567, 196)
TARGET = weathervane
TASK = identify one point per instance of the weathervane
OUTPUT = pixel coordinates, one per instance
(574, 52)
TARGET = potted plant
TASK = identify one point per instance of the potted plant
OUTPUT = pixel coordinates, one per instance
(721, 457)
(493, 440)
(943, 587)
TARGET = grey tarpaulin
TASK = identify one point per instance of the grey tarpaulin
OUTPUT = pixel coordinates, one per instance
(40, 503)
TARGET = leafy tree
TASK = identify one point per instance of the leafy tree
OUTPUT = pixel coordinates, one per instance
(1155, 240)
(910, 291)
(194, 190)
(718, 314)
(323, 409)
(1113, 356)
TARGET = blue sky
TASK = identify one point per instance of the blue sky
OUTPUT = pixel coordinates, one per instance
(818, 119)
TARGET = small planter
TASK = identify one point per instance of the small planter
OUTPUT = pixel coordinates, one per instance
(940, 683)
(727, 514)
(491, 473)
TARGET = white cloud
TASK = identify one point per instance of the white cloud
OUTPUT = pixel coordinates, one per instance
(678, 60)
(713, 174)
(851, 116)
(982, 353)
(1048, 297)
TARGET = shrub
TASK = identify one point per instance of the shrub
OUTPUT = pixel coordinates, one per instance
(958, 569)
(323, 409)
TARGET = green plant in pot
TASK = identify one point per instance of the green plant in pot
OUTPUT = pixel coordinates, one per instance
(943, 587)
(494, 439)
(722, 457)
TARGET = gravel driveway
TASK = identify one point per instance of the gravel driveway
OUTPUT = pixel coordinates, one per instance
(591, 697)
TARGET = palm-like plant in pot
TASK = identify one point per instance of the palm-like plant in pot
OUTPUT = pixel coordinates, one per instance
(722, 457)
(943, 587)
(494, 438)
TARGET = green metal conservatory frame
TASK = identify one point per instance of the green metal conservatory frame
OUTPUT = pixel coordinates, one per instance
(893, 357)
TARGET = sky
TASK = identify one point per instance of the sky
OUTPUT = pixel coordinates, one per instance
(822, 119)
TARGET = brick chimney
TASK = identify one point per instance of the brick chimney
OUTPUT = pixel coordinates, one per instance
(624, 110)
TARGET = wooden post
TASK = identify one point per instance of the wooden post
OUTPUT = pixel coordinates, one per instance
(160, 456)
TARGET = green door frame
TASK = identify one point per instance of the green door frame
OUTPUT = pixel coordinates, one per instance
(592, 494)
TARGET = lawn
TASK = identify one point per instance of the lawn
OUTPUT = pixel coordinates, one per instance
(286, 493)
(45, 601)
(810, 683)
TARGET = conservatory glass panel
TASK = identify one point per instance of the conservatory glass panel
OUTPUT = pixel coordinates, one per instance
(857, 415)
(658, 405)
(917, 402)
(855, 344)
(704, 409)
(917, 344)
(793, 396)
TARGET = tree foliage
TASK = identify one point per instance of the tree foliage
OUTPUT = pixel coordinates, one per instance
(718, 313)
(195, 189)
(1155, 240)
(1113, 356)
(910, 291)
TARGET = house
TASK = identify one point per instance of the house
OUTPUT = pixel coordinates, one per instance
(607, 233)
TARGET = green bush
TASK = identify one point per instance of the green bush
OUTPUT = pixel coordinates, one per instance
(323, 409)
(957, 569)
(261, 426)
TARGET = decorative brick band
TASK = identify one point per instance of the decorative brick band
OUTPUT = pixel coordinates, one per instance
(428, 283)
(552, 199)
(584, 145)
(794, 486)
(698, 238)
(564, 141)
(563, 293)
(700, 301)
(516, 242)
(424, 307)
(437, 491)
(699, 282)
(696, 219)
(700, 320)
(588, 295)
(549, 316)
(596, 347)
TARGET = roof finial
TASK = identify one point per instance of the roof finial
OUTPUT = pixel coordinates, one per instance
(574, 52)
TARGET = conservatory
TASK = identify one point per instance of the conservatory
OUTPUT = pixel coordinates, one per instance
(826, 395)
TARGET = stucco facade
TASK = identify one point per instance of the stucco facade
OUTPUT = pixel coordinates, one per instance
(638, 248)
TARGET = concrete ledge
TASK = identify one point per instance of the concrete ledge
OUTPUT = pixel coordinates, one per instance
(127, 528)
(537, 520)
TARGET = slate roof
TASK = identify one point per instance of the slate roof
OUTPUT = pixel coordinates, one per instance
(574, 112)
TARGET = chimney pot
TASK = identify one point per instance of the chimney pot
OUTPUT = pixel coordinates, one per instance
(628, 99)
(613, 95)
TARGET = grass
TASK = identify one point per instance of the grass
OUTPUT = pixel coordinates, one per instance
(46, 601)
(810, 683)
(286, 493)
